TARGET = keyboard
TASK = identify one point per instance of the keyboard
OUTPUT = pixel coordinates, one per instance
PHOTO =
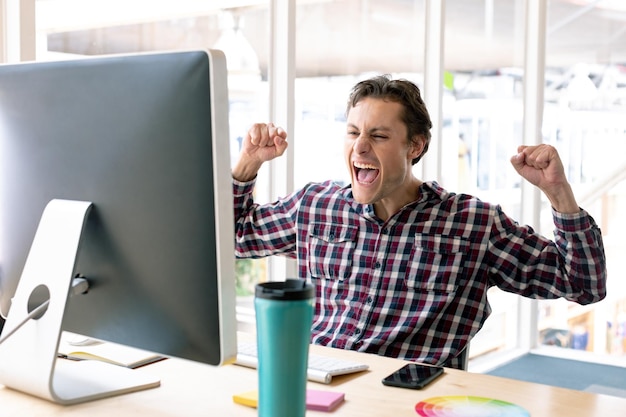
(321, 368)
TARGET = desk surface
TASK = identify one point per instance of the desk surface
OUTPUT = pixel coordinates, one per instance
(190, 389)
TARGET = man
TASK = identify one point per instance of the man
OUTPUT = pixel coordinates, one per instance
(402, 267)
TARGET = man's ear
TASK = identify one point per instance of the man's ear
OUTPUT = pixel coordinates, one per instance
(417, 146)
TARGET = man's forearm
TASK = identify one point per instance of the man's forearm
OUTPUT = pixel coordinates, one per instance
(563, 200)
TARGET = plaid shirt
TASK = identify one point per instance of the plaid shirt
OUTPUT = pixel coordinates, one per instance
(415, 286)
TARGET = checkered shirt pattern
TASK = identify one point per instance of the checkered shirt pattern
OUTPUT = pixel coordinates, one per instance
(415, 287)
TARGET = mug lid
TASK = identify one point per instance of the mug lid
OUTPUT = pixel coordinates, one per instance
(290, 289)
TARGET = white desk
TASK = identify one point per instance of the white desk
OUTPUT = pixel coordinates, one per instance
(190, 389)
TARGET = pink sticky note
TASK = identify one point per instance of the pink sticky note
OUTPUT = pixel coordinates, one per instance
(323, 400)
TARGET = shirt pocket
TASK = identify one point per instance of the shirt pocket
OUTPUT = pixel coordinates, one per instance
(331, 250)
(436, 263)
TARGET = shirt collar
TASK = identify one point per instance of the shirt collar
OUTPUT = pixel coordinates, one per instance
(427, 191)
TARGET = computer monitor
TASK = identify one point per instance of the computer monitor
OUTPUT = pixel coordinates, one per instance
(128, 157)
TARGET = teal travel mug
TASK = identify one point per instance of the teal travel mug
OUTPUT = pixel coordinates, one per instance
(284, 315)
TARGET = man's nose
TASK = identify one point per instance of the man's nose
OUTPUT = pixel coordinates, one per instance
(361, 144)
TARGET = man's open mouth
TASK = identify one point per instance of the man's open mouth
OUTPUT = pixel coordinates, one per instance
(365, 174)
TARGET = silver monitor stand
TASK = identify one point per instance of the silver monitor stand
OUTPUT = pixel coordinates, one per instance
(28, 358)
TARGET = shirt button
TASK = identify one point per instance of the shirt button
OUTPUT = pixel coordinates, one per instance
(369, 300)
(357, 331)
(377, 265)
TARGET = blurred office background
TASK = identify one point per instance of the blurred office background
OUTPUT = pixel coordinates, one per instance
(495, 74)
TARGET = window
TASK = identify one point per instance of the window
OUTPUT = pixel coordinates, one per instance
(585, 99)
(484, 113)
(73, 29)
(341, 42)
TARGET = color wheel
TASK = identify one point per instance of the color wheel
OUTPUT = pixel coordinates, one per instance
(464, 406)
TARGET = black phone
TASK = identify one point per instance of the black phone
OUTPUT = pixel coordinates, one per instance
(413, 375)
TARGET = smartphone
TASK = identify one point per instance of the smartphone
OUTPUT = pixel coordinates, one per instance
(413, 375)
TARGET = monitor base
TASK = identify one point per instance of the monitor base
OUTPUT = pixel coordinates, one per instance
(81, 381)
(28, 356)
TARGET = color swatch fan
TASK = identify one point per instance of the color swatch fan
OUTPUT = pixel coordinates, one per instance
(464, 406)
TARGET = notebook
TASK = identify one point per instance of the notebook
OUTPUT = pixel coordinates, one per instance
(78, 347)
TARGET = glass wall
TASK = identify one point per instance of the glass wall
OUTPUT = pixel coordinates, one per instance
(484, 114)
(74, 29)
(482, 121)
(482, 102)
(585, 103)
(340, 42)
(356, 39)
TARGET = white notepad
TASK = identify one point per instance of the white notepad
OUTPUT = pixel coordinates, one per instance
(113, 353)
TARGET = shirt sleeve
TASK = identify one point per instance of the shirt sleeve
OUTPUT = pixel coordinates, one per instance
(263, 230)
(573, 266)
